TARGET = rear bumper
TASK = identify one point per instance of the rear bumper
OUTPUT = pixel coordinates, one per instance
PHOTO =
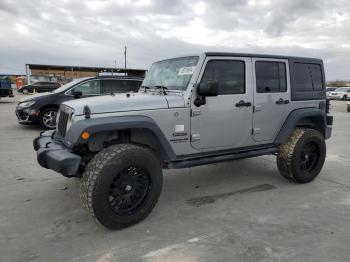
(54, 155)
(329, 126)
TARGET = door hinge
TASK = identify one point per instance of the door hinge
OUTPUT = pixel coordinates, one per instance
(256, 130)
(195, 137)
(195, 112)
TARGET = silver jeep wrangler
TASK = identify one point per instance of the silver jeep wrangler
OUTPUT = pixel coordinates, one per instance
(190, 111)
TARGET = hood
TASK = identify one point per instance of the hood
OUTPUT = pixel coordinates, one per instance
(126, 102)
(34, 97)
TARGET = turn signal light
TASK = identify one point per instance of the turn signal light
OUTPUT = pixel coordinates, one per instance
(85, 135)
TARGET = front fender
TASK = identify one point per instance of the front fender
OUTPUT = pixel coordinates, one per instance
(114, 123)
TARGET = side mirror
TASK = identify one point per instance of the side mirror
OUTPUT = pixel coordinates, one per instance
(208, 89)
(77, 94)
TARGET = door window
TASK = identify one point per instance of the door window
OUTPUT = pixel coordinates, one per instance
(120, 86)
(89, 88)
(270, 77)
(229, 74)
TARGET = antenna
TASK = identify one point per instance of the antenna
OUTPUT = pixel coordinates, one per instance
(125, 59)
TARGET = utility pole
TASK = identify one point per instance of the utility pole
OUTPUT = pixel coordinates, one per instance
(115, 64)
(125, 58)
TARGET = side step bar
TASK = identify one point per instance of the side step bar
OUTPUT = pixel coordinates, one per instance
(221, 158)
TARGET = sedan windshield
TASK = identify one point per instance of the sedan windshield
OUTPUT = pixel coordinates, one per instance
(342, 89)
(172, 73)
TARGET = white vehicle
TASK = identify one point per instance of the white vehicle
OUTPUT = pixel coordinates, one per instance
(330, 90)
(342, 93)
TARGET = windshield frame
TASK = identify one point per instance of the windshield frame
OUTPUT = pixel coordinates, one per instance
(181, 88)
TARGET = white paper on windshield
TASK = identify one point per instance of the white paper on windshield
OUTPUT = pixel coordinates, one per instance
(188, 70)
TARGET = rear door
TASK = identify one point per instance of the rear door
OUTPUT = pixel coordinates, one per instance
(47, 86)
(224, 121)
(271, 97)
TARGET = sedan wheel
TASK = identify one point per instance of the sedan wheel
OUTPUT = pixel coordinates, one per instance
(47, 118)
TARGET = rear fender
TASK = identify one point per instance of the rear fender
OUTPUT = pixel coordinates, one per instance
(304, 117)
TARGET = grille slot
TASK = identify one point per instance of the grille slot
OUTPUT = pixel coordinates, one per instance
(62, 124)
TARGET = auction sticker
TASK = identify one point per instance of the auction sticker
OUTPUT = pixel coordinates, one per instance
(188, 70)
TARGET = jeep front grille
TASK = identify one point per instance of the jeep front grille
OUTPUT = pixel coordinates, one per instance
(62, 124)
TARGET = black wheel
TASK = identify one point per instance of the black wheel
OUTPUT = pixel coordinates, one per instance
(121, 185)
(302, 157)
(47, 118)
(344, 97)
(25, 91)
(348, 109)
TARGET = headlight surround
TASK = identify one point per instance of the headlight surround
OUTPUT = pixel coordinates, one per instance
(26, 104)
(70, 120)
(69, 112)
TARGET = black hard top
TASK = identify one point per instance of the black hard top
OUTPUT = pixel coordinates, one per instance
(261, 56)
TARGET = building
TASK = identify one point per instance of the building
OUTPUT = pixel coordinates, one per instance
(63, 74)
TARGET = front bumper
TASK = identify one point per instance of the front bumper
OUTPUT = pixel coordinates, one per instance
(52, 154)
(335, 97)
(26, 116)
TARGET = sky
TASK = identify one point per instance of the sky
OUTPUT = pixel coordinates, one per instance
(94, 33)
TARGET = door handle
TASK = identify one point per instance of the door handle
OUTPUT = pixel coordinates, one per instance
(243, 103)
(281, 101)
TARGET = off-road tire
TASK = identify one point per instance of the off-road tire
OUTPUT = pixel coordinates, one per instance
(42, 121)
(103, 169)
(290, 155)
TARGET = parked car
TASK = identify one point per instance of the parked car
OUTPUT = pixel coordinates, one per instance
(329, 90)
(42, 108)
(190, 111)
(5, 88)
(39, 87)
(342, 93)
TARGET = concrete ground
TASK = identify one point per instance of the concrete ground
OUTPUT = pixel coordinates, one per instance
(236, 211)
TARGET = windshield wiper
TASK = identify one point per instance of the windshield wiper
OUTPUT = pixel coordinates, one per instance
(161, 87)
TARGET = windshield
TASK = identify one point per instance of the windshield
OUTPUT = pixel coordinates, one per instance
(172, 73)
(69, 85)
(342, 89)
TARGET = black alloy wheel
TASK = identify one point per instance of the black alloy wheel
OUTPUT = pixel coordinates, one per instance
(309, 157)
(129, 190)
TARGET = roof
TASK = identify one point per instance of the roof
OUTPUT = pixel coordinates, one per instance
(258, 55)
(130, 71)
(119, 77)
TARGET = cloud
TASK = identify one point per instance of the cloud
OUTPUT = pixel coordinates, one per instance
(94, 32)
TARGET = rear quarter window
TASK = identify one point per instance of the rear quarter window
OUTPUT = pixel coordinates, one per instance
(307, 80)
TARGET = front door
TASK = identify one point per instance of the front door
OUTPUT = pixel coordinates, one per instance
(271, 98)
(225, 121)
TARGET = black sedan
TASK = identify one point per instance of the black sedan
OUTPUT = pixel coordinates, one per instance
(42, 108)
(39, 87)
